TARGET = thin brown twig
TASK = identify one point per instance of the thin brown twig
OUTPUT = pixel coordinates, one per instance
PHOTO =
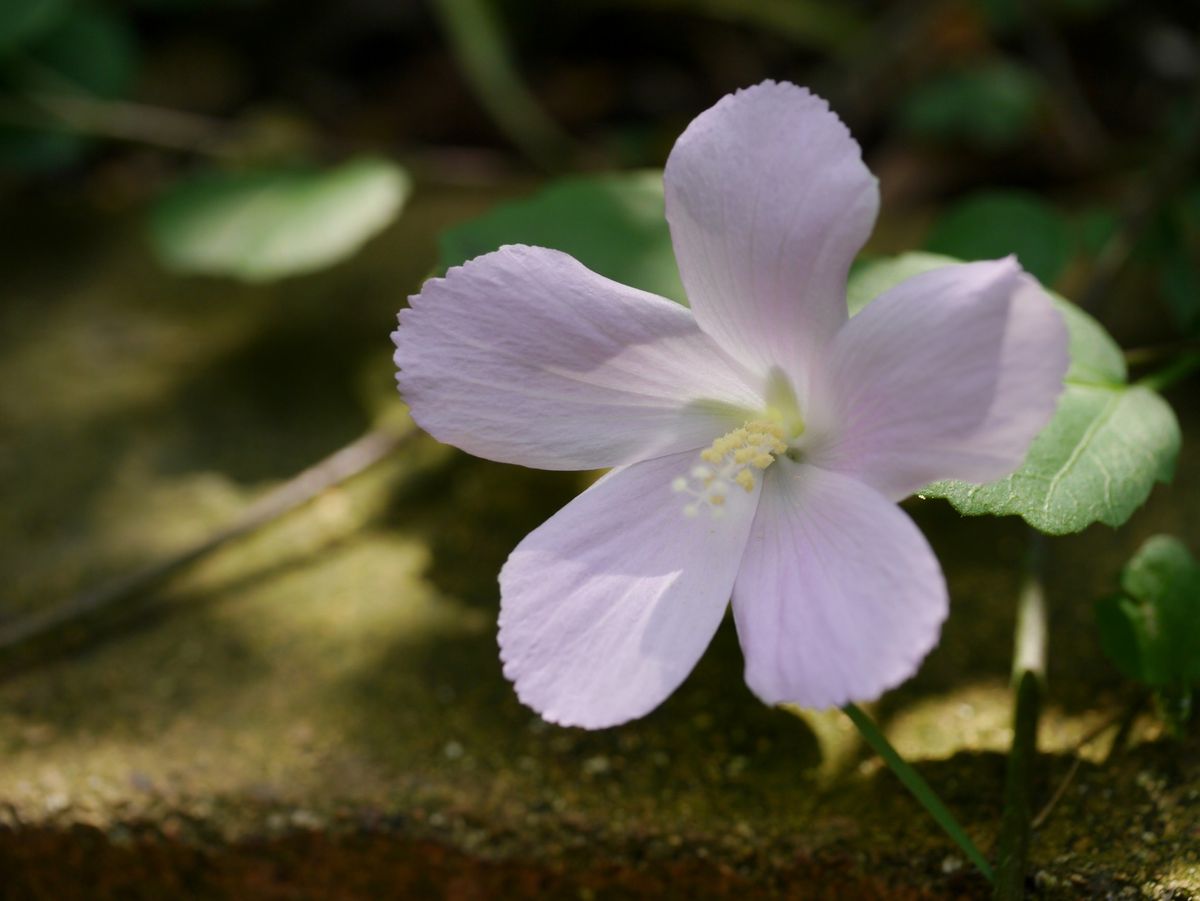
(1087, 738)
(58, 101)
(136, 122)
(340, 466)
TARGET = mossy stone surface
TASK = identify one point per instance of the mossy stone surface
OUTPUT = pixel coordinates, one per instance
(318, 710)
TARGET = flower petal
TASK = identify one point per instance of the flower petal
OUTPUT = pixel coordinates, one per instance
(769, 202)
(526, 356)
(607, 606)
(949, 375)
(839, 596)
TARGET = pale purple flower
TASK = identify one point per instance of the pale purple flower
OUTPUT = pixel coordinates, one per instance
(759, 440)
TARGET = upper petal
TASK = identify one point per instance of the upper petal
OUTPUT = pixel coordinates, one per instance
(607, 606)
(768, 201)
(839, 597)
(949, 375)
(526, 356)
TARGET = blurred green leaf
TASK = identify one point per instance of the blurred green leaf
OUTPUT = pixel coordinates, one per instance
(1095, 229)
(993, 224)
(268, 224)
(993, 106)
(22, 21)
(92, 52)
(1102, 452)
(89, 54)
(1152, 632)
(613, 224)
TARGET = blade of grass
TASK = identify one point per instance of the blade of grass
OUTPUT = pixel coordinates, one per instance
(916, 784)
(477, 42)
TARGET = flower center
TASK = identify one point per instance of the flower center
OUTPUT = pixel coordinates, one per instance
(731, 460)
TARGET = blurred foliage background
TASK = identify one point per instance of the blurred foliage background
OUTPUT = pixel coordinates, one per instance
(265, 138)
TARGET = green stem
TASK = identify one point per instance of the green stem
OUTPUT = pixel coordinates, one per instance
(1172, 373)
(915, 783)
(1029, 671)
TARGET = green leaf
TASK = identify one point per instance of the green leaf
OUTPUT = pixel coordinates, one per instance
(994, 224)
(1095, 357)
(613, 224)
(22, 21)
(1098, 458)
(1096, 461)
(1164, 581)
(993, 105)
(1152, 631)
(1161, 563)
(870, 278)
(268, 224)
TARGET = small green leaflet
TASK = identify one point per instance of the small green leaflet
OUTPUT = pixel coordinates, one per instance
(613, 224)
(1098, 458)
(1151, 631)
(270, 223)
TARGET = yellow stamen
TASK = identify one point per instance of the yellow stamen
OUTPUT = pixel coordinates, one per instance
(734, 458)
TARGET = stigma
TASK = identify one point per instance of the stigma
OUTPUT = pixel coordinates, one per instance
(730, 462)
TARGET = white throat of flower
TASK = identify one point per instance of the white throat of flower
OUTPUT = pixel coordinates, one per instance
(730, 461)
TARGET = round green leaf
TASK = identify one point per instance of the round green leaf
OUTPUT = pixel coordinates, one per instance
(996, 223)
(268, 224)
(613, 224)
